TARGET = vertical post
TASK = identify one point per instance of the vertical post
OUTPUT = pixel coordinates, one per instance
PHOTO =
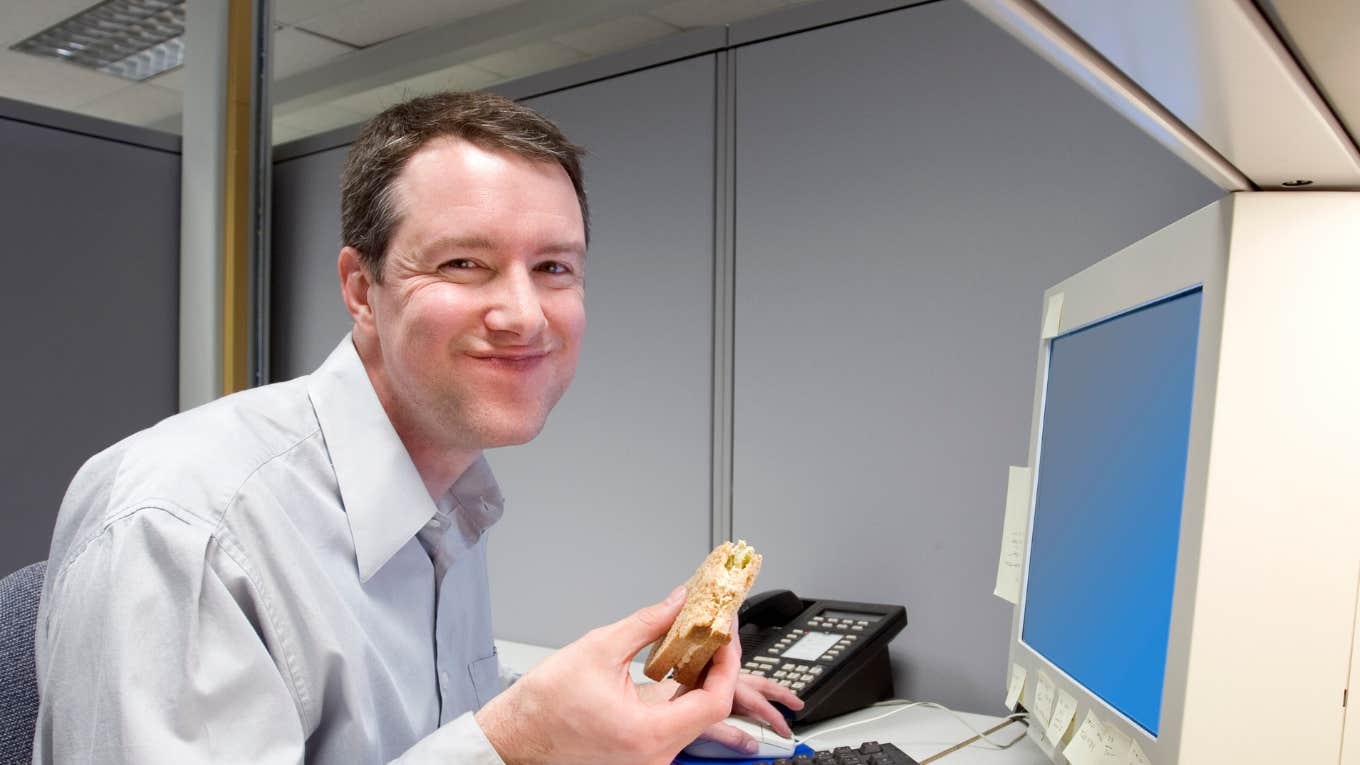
(724, 294)
(237, 239)
(201, 208)
(223, 194)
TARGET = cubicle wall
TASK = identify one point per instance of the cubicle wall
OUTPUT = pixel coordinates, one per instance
(907, 188)
(906, 185)
(90, 215)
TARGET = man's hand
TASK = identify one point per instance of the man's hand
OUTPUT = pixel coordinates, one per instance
(580, 707)
(752, 699)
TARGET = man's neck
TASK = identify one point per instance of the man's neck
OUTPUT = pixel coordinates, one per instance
(438, 465)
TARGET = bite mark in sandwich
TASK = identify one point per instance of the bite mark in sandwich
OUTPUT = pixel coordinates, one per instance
(715, 592)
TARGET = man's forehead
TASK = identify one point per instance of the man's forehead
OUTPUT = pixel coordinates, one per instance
(447, 154)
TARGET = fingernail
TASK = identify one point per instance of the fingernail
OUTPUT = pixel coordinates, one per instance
(677, 595)
(748, 746)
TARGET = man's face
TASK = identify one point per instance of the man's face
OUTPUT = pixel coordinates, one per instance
(481, 310)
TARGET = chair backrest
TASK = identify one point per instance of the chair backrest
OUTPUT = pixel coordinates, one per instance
(19, 593)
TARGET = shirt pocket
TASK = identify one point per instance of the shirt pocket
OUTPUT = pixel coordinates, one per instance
(486, 678)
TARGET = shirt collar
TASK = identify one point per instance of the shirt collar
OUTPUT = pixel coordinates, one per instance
(477, 500)
(383, 495)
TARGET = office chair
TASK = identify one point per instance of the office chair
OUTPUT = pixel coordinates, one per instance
(19, 593)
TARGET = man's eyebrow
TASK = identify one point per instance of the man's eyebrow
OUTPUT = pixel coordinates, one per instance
(472, 242)
(570, 247)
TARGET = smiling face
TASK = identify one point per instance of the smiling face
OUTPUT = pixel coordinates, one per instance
(473, 333)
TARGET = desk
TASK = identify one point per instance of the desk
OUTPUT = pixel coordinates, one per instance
(920, 731)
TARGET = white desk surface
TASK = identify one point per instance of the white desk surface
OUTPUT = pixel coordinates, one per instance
(920, 731)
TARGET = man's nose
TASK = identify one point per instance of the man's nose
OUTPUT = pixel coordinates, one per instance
(515, 307)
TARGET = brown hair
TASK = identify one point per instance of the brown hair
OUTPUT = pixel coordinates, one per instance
(368, 214)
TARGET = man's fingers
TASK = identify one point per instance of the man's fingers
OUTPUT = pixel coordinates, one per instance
(773, 691)
(750, 702)
(730, 737)
(646, 625)
(712, 701)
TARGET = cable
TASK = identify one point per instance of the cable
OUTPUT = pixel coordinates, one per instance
(905, 705)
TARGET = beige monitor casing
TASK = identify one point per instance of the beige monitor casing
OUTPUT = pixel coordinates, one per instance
(1262, 638)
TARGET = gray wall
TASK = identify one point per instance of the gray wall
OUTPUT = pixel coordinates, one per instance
(907, 187)
(91, 302)
(308, 317)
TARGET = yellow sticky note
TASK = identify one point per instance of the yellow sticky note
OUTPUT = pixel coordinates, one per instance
(1053, 316)
(1117, 745)
(1136, 756)
(1015, 686)
(1087, 748)
(1009, 567)
(1063, 714)
(1043, 699)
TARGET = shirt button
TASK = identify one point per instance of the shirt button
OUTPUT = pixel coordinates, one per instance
(435, 522)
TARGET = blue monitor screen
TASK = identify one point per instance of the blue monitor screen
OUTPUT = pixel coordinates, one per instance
(1107, 512)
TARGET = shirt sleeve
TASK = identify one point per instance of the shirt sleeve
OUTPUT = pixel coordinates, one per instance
(146, 656)
(460, 741)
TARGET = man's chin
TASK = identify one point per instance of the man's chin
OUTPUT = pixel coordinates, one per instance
(511, 434)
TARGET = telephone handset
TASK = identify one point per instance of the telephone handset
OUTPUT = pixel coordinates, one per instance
(832, 653)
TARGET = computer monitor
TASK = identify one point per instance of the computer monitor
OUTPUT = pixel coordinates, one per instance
(1180, 586)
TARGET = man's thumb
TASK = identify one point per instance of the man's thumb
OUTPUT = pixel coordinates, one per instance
(648, 624)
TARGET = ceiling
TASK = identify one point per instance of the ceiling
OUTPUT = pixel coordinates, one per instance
(338, 62)
(315, 38)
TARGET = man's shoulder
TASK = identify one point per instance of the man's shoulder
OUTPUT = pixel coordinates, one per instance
(192, 463)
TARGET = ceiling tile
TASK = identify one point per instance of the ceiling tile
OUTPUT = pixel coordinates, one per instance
(297, 51)
(21, 19)
(137, 104)
(459, 77)
(530, 59)
(52, 83)
(691, 14)
(173, 79)
(616, 34)
(371, 102)
(317, 119)
(281, 132)
(298, 11)
(372, 21)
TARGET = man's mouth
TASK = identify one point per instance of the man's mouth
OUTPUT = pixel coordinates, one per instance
(513, 361)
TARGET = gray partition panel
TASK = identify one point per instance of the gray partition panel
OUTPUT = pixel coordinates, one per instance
(907, 187)
(91, 302)
(609, 508)
(308, 316)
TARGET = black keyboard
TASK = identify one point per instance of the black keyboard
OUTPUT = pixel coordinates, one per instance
(868, 753)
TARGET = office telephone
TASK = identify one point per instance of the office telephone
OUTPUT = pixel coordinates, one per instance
(832, 653)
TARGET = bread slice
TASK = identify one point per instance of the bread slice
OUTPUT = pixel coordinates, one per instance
(705, 623)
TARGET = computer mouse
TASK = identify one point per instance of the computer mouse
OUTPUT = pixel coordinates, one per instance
(768, 743)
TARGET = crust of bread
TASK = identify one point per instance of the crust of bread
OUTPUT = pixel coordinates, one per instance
(705, 622)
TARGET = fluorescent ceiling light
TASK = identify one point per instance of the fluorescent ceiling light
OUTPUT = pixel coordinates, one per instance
(134, 39)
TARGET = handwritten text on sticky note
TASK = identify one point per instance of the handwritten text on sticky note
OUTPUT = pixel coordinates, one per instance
(1009, 567)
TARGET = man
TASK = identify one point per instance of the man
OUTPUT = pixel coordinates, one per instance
(298, 573)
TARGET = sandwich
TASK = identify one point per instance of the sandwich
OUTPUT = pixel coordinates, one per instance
(705, 622)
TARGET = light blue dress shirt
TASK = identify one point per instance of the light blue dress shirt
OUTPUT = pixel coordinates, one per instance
(254, 581)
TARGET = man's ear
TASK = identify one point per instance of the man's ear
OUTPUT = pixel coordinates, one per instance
(355, 282)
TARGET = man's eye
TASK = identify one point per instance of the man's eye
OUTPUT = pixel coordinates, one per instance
(459, 263)
(554, 267)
